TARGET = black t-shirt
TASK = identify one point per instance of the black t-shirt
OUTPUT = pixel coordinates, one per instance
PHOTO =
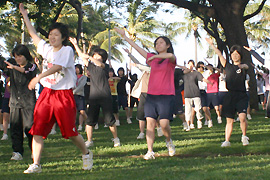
(20, 95)
(121, 86)
(99, 87)
(235, 78)
(191, 84)
(179, 79)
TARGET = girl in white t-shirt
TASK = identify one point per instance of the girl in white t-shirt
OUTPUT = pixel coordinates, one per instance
(56, 102)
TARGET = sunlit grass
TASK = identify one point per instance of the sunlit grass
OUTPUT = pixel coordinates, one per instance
(198, 155)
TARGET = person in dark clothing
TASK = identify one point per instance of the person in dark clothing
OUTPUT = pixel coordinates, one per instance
(237, 99)
(133, 100)
(22, 100)
(122, 93)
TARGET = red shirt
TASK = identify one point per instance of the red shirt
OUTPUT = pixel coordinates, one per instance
(213, 78)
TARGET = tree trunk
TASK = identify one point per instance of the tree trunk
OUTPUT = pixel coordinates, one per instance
(233, 25)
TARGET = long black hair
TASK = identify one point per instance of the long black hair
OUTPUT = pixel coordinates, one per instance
(168, 42)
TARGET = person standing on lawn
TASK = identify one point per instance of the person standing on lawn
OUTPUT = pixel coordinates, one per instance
(236, 100)
(56, 101)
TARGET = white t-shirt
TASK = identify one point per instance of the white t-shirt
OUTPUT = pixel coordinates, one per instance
(222, 83)
(64, 79)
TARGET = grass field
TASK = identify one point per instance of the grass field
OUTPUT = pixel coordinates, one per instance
(198, 155)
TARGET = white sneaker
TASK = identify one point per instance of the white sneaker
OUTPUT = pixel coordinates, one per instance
(185, 125)
(53, 131)
(96, 126)
(80, 128)
(117, 123)
(159, 132)
(245, 140)
(206, 123)
(4, 137)
(171, 148)
(1, 127)
(116, 142)
(188, 128)
(219, 120)
(16, 156)
(237, 119)
(249, 117)
(141, 136)
(226, 144)
(199, 124)
(129, 121)
(149, 155)
(105, 125)
(192, 126)
(89, 143)
(33, 168)
(87, 161)
(210, 124)
(24, 135)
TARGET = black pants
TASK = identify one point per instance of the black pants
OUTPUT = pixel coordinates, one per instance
(21, 120)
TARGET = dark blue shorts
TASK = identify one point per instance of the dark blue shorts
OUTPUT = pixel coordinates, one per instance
(80, 102)
(159, 106)
(122, 101)
(221, 96)
(204, 98)
(140, 109)
(5, 105)
(212, 98)
(133, 100)
(178, 103)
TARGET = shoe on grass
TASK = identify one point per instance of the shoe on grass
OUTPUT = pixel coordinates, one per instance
(87, 161)
(226, 144)
(16, 156)
(219, 120)
(210, 124)
(141, 136)
(4, 137)
(192, 126)
(244, 140)
(117, 122)
(171, 148)
(159, 132)
(199, 124)
(89, 143)
(80, 128)
(33, 168)
(116, 142)
(129, 121)
(149, 155)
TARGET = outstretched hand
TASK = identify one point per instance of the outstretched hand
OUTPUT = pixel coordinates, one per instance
(120, 31)
(247, 48)
(73, 41)
(209, 40)
(9, 65)
(22, 10)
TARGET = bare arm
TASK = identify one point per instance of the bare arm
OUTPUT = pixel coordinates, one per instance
(52, 70)
(84, 56)
(217, 51)
(170, 56)
(11, 66)
(133, 44)
(29, 26)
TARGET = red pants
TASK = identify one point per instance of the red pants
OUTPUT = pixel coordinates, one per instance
(52, 106)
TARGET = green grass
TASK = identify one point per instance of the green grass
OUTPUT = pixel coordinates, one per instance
(198, 155)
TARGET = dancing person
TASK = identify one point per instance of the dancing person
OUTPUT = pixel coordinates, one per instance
(161, 91)
(236, 100)
(56, 101)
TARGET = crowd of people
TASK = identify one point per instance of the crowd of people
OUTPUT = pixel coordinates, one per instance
(158, 94)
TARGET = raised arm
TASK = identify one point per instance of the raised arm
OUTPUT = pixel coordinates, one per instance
(217, 51)
(82, 55)
(170, 56)
(133, 44)
(255, 54)
(28, 24)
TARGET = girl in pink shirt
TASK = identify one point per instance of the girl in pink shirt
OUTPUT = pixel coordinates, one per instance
(160, 96)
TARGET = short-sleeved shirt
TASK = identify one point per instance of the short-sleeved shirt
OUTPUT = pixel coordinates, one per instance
(191, 84)
(214, 79)
(64, 79)
(99, 88)
(113, 85)
(179, 79)
(235, 78)
(121, 86)
(161, 81)
(20, 95)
